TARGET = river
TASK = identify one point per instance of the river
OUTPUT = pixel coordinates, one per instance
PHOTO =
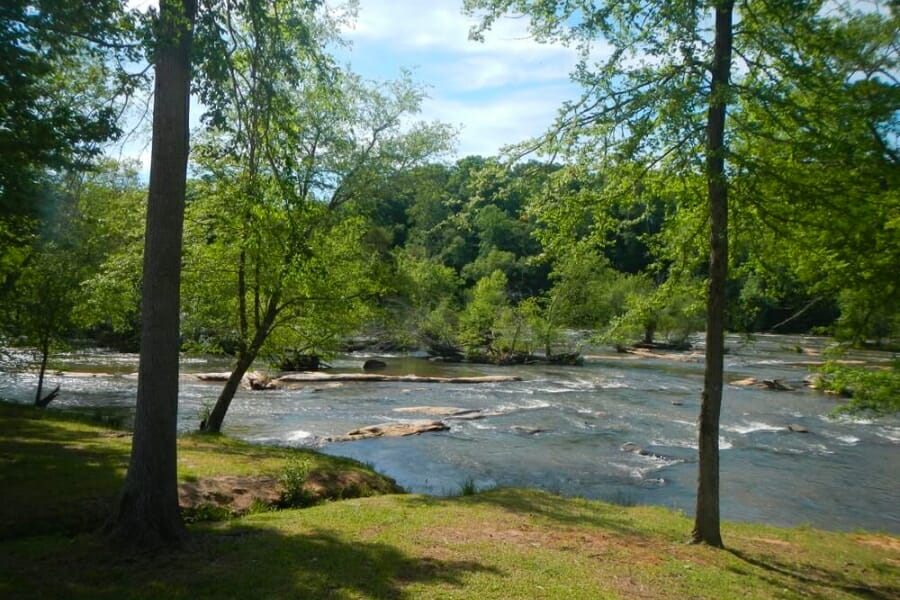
(563, 428)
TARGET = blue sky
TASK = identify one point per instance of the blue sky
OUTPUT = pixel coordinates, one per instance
(498, 92)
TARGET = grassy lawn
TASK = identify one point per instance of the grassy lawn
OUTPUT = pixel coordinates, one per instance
(58, 476)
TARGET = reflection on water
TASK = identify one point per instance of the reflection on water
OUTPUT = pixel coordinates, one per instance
(620, 428)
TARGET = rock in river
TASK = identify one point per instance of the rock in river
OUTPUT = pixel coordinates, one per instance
(390, 430)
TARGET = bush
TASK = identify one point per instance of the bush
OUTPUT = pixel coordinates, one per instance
(869, 391)
(293, 479)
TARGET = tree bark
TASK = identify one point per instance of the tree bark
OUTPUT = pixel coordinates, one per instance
(147, 513)
(213, 423)
(45, 354)
(706, 522)
(246, 356)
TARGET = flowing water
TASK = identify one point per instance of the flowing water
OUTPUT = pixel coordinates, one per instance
(563, 429)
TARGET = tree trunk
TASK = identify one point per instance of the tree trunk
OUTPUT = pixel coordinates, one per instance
(706, 522)
(45, 353)
(246, 357)
(147, 514)
(213, 423)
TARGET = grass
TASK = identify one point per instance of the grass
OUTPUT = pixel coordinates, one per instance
(496, 544)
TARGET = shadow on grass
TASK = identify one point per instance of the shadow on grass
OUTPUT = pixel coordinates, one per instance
(547, 506)
(242, 562)
(805, 582)
(56, 478)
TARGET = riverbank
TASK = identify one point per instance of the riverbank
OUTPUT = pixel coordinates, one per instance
(495, 544)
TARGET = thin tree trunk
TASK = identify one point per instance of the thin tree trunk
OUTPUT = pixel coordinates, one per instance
(213, 423)
(706, 522)
(147, 514)
(246, 357)
(45, 353)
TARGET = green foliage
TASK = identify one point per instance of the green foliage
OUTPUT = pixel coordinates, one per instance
(431, 290)
(484, 314)
(205, 513)
(61, 64)
(812, 155)
(279, 252)
(293, 479)
(112, 206)
(871, 391)
(468, 488)
(49, 292)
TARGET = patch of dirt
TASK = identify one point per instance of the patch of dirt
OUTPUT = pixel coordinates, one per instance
(232, 493)
(770, 541)
(879, 541)
(335, 485)
(237, 495)
(587, 543)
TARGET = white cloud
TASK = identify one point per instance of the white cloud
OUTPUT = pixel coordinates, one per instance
(490, 123)
(439, 31)
(500, 91)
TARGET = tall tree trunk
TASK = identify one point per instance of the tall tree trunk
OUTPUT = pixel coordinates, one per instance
(706, 521)
(147, 514)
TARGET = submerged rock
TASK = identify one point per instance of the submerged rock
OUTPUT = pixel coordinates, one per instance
(443, 411)
(373, 364)
(796, 428)
(631, 447)
(766, 384)
(636, 449)
(527, 430)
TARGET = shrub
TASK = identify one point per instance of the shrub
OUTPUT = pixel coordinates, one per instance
(869, 391)
(293, 478)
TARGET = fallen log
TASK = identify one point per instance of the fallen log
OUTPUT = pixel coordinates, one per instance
(318, 377)
(437, 411)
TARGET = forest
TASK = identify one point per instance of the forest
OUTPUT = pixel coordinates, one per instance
(321, 214)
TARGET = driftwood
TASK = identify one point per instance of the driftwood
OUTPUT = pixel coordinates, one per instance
(444, 411)
(255, 381)
(317, 377)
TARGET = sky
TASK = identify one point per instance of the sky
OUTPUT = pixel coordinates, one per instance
(500, 91)
(497, 92)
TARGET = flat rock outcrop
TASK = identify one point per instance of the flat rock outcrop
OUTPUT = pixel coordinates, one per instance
(390, 430)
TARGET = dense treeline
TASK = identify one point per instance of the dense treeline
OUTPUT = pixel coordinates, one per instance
(476, 255)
